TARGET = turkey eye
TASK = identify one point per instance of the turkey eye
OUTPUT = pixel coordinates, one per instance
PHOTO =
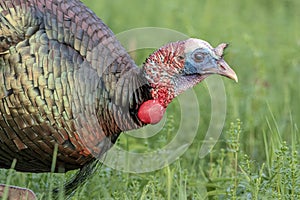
(198, 57)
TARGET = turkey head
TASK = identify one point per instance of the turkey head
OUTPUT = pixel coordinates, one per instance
(174, 68)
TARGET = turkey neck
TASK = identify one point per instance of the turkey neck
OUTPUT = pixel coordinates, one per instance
(118, 100)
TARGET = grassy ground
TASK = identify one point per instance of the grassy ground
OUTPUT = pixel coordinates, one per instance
(257, 155)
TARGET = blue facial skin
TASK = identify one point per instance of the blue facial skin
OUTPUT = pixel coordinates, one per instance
(200, 61)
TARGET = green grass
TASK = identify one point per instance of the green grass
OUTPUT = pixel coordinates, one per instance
(256, 156)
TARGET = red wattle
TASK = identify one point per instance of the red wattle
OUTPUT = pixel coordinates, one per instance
(151, 112)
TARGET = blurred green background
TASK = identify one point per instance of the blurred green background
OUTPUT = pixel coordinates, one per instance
(256, 156)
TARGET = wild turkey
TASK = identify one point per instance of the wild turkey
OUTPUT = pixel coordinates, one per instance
(65, 80)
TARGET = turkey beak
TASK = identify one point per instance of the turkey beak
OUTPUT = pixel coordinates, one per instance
(222, 67)
(224, 70)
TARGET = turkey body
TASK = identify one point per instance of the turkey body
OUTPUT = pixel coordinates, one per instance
(61, 73)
